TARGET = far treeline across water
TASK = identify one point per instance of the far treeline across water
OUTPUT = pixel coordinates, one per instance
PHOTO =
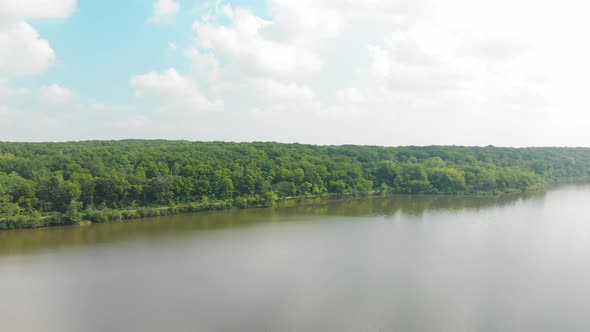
(44, 184)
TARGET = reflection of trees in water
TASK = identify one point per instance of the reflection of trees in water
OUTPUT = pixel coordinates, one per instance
(27, 240)
(413, 205)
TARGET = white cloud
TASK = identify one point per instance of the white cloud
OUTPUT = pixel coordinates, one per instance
(55, 95)
(25, 9)
(164, 10)
(315, 21)
(387, 72)
(22, 51)
(203, 64)
(245, 42)
(427, 69)
(423, 68)
(176, 92)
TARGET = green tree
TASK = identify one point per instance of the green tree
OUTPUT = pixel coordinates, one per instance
(447, 180)
(413, 179)
(270, 199)
(65, 194)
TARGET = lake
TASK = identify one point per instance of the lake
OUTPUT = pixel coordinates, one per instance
(400, 263)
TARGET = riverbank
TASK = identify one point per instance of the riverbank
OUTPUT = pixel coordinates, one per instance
(99, 215)
(107, 214)
(47, 184)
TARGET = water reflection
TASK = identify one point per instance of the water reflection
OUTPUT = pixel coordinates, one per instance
(414, 205)
(25, 241)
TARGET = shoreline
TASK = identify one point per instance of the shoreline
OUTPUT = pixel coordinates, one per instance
(94, 216)
(102, 215)
(53, 184)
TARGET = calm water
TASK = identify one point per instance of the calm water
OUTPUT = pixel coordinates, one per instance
(421, 263)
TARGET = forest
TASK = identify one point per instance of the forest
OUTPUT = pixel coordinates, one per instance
(46, 184)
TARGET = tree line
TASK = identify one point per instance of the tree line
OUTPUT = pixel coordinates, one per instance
(63, 183)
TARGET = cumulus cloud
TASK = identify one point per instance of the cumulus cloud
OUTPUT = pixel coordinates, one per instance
(359, 71)
(23, 51)
(175, 91)
(437, 63)
(203, 64)
(421, 60)
(314, 21)
(164, 10)
(26, 9)
(55, 95)
(245, 42)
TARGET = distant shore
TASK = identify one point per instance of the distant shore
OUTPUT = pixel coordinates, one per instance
(51, 184)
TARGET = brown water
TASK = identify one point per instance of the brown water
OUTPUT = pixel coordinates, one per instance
(403, 263)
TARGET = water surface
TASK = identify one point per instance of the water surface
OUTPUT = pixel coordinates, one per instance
(402, 263)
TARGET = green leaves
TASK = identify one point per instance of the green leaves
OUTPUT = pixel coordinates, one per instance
(142, 177)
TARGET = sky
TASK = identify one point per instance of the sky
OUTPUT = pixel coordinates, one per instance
(371, 72)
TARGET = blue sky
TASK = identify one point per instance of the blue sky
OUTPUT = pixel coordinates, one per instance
(106, 41)
(385, 72)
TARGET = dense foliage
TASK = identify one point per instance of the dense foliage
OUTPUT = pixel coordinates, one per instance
(62, 183)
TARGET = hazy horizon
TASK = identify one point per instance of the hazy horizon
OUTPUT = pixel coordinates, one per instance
(324, 72)
(300, 143)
